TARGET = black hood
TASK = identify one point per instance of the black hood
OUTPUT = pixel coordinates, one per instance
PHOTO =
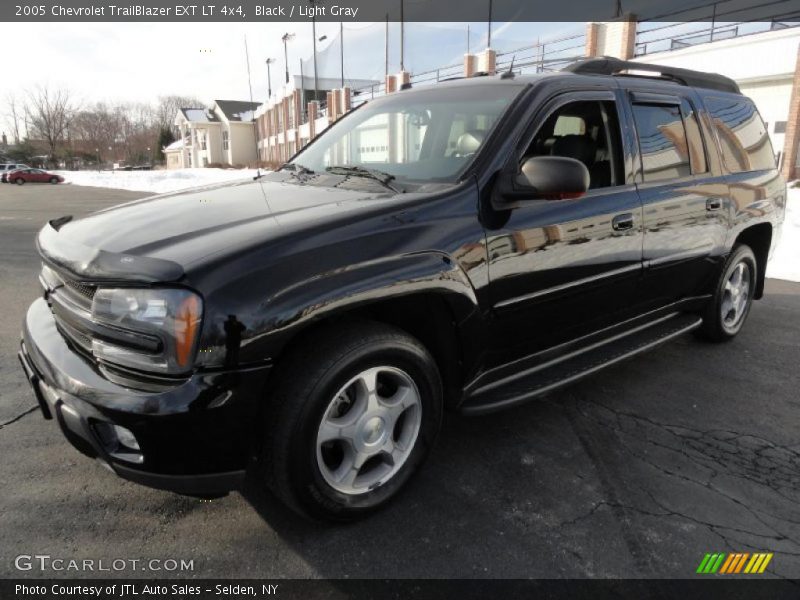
(155, 238)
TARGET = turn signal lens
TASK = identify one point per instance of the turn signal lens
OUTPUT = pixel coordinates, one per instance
(187, 321)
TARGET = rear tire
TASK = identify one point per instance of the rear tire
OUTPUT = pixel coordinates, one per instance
(726, 313)
(54, 180)
(353, 415)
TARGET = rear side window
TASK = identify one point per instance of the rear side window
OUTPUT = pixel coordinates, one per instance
(662, 141)
(742, 135)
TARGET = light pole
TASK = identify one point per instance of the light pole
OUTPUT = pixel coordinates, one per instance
(269, 78)
(341, 48)
(286, 37)
(314, 35)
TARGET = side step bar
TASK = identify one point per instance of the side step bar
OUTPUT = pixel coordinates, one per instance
(564, 370)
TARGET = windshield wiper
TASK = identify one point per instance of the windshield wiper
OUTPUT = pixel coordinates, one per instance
(374, 174)
(297, 171)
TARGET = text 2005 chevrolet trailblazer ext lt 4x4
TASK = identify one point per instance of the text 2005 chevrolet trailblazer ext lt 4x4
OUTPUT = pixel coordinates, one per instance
(470, 245)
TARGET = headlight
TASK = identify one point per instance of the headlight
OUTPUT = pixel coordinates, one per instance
(169, 316)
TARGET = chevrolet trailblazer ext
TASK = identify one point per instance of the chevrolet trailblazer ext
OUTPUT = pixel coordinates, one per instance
(469, 245)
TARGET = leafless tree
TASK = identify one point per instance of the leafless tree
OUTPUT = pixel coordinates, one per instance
(14, 113)
(168, 107)
(49, 114)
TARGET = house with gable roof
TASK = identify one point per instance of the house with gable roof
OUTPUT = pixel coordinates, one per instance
(224, 132)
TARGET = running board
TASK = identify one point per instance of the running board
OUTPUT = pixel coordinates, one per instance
(564, 370)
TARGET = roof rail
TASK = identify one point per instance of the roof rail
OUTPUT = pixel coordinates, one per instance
(607, 65)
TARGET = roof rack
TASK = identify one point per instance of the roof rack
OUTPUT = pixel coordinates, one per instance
(608, 65)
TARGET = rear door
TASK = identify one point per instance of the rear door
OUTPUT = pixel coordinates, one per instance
(685, 198)
(562, 268)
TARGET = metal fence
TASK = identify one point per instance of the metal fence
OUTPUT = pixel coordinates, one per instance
(726, 19)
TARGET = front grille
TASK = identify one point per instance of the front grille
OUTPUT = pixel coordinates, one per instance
(71, 304)
(87, 291)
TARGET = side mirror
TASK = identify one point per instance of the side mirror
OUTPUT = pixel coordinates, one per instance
(549, 178)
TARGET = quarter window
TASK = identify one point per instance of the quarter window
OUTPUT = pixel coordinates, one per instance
(742, 135)
(662, 141)
(697, 153)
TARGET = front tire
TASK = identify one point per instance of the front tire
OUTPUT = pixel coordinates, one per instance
(726, 313)
(353, 416)
(19, 181)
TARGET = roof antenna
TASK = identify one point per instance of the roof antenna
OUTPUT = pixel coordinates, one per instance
(510, 73)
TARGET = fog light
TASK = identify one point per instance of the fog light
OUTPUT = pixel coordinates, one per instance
(119, 442)
(126, 438)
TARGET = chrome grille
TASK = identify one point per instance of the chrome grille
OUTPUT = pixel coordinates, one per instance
(71, 304)
(84, 290)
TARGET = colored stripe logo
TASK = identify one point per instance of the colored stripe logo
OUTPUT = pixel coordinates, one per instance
(734, 563)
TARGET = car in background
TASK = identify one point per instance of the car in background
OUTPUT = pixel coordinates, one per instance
(21, 176)
(6, 168)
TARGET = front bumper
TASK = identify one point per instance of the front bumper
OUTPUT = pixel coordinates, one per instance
(195, 438)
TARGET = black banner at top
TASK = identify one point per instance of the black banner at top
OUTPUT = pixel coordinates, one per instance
(777, 11)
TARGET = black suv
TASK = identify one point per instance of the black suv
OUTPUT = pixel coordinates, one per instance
(470, 245)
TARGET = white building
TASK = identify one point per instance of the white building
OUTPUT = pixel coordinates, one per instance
(763, 65)
(223, 133)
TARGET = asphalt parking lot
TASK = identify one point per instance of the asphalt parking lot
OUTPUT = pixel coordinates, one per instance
(635, 472)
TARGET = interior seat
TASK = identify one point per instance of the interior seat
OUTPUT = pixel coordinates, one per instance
(469, 142)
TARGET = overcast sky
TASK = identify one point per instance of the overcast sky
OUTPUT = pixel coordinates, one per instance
(141, 61)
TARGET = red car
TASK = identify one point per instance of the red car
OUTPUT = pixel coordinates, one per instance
(21, 176)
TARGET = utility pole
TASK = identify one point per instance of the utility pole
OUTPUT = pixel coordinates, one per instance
(489, 35)
(247, 58)
(341, 47)
(269, 78)
(314, 34)
(386, 50)
(402, 36)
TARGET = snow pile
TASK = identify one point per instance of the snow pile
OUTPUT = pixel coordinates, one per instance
(785, 263)
(155, 181)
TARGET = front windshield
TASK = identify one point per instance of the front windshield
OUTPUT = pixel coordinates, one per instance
(421, 137)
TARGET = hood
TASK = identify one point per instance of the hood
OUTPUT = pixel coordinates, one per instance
(154, 238)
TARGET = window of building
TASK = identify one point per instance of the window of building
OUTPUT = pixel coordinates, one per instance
(780, 127)
(662, 141)
(587, 131)
(225, 141)
(203, 141)
(742, 134)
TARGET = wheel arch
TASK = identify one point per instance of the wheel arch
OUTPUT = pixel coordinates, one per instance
(427, 296)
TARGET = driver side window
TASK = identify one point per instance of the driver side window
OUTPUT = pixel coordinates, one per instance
(588, 131)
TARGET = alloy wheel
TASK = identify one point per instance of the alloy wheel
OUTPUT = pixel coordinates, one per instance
(368, 430)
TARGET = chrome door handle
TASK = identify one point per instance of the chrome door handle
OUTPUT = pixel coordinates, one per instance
(622, 222)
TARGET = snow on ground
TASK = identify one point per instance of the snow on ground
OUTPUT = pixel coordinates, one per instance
(155, 181)
(785, 263)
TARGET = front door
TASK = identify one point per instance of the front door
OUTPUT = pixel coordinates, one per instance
(561, 268)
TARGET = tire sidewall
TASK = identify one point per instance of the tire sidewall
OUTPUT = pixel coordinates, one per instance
(313, 492)
(19, 181)
(742, 254)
